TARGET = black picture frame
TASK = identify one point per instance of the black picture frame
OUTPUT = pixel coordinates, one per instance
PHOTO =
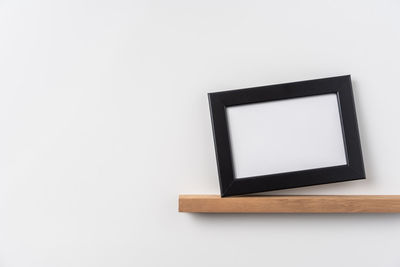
(340, 85)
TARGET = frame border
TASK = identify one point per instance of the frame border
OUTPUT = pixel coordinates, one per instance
(340, 85)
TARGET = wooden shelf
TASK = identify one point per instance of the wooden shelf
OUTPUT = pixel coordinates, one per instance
(290, 204)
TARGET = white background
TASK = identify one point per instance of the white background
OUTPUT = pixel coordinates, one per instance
(104, 120)
(286, 135)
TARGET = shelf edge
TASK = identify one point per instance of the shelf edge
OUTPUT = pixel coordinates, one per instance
(290, 204)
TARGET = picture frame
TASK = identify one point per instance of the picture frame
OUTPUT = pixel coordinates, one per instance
(286, 135)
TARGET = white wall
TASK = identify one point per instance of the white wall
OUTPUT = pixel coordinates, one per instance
(104, 120)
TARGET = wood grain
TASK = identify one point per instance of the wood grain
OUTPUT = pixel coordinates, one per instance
(290, 204)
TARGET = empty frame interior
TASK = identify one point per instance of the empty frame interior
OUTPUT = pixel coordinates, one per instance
(286, 135)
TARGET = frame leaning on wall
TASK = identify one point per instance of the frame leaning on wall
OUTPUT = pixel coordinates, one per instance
(230, 185)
